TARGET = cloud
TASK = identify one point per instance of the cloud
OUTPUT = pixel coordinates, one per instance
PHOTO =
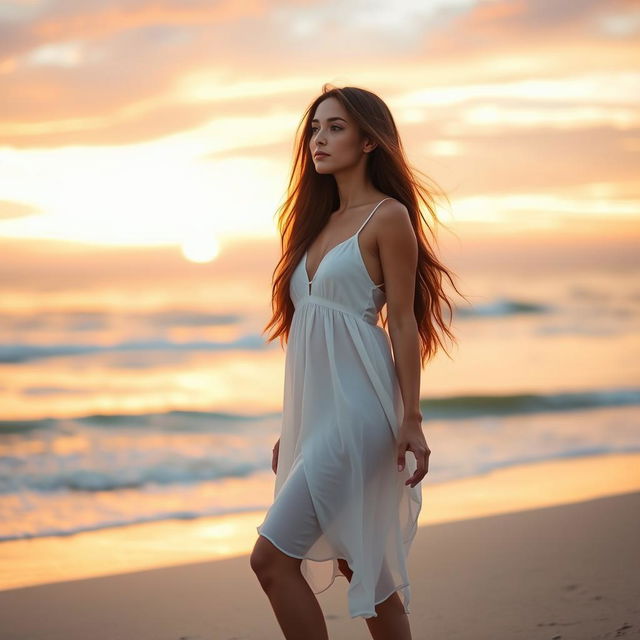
(518, 96)
(111, 72)
(9, 210)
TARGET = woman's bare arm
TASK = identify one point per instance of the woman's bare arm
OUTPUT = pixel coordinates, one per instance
(398, 250)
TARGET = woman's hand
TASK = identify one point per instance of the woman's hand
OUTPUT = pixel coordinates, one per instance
(274, 460)
(411, 438)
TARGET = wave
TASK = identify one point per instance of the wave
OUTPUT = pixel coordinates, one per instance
(16, 353)
(470, 406)
(105, 515)
(102, 471)
(445, 408)
(503, 307)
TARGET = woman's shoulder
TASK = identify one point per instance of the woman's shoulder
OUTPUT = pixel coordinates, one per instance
(392, 211)
(393, 225)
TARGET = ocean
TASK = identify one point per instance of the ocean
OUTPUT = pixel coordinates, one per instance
(117, 412)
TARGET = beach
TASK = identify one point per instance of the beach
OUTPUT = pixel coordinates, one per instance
(158, 187)
(562, 563)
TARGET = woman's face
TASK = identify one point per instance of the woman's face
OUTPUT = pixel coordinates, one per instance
(333, 132)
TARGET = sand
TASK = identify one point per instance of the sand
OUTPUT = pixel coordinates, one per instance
(564, 572)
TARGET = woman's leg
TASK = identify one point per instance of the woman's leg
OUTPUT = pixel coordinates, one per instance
(295, 605)
(292, 523)
(392, 623)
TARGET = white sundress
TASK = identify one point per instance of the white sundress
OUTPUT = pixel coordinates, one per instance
(338, 493)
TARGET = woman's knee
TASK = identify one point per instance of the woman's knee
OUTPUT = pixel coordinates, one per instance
(262, 556)
(267, 561)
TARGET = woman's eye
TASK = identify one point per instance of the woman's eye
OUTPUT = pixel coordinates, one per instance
(335, 126)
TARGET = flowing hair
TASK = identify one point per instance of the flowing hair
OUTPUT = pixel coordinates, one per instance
(312, 197)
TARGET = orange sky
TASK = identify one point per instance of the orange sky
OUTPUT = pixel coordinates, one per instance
(137, 122)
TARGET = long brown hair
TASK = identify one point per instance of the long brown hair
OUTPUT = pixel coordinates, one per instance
(311, 197)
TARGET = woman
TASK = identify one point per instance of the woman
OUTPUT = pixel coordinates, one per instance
(347, 497)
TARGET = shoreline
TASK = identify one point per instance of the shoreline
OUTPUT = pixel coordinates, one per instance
(156, 545)
(564, 572)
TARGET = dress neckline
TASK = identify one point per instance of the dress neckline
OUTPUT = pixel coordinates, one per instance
(306, 253)
(351, 237)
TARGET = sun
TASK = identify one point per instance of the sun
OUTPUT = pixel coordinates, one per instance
(200, 249)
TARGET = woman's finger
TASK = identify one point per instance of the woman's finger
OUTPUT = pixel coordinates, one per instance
(422, 461)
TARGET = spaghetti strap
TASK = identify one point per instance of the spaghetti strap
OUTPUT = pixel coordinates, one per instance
(369, 216)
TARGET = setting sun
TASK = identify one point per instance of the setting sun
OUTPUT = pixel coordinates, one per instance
(200, 249)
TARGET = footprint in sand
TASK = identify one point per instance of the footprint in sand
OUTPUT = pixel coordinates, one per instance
(622, 631)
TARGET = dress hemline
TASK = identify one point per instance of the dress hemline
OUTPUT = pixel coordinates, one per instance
(364, 614)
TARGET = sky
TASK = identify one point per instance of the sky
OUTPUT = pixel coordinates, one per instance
(145, 147)
(170, 124)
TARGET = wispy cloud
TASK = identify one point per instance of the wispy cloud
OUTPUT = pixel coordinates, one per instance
(10, 209)
(135, 109)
